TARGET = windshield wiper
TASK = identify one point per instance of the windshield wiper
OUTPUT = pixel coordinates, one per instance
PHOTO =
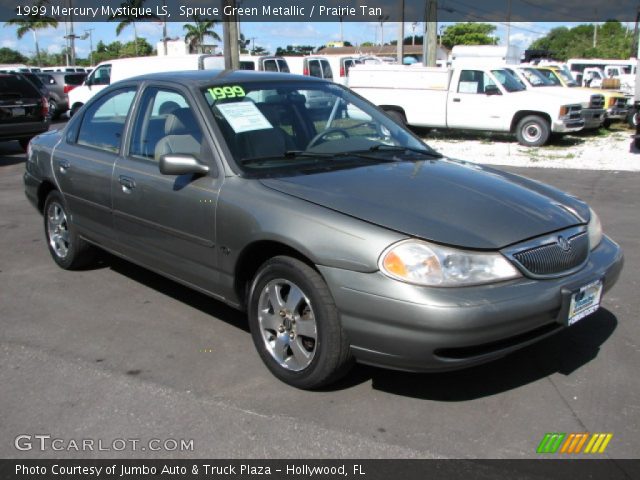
(397, 148)
(285, 155)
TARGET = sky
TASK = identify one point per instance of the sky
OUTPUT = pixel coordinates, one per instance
(269, 35)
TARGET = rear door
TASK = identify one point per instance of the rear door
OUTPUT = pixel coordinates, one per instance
(83, 161)
(167, 222)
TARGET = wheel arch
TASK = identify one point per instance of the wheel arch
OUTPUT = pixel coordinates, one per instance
(525, 113)
(44, 189)
(253, 256)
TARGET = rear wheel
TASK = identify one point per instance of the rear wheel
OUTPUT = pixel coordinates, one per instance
(533, 131)
(68, 250)
(53, 109)
(295, 324)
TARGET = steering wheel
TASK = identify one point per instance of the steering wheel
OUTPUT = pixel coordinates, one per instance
(321, 135)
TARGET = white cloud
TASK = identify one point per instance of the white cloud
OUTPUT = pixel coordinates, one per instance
(9, 43)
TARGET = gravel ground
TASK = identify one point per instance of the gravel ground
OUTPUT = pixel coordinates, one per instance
(602, 150)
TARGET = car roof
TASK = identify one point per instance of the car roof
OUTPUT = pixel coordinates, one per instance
(201, 78)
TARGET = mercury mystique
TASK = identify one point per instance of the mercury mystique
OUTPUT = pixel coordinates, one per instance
(341, 234)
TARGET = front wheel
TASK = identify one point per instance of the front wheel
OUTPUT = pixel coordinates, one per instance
(533, 131)
(295, 324)
(68, 250)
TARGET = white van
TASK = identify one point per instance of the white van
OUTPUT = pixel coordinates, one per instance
(264, 63)
(112, 71)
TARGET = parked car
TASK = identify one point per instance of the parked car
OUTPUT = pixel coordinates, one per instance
(24, 111)
(342, 239)
(58, 85)
(264, 63)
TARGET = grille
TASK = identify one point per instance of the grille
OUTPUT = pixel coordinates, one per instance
(575, 112)
(597, 101)
(552, 259)
(621, 102)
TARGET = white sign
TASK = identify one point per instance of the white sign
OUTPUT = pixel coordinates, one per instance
(243, 116)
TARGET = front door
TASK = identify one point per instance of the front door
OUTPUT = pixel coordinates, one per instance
(167, 222)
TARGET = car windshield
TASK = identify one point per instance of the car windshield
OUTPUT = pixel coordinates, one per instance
(566, 76)
(508, 80)
(273, 127)
(535, 78)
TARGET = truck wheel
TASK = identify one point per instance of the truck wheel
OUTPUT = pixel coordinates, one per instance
(399, 117)
(74, 109)
(533, 131)
(295, 324)
(606, 123)
(68, 250)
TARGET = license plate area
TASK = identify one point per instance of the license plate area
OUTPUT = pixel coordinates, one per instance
(584, 301)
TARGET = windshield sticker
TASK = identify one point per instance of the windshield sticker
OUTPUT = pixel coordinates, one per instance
(243, 116)
(229, 91)
(468, 87)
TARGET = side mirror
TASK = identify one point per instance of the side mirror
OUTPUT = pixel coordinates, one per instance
(492, 90)
(181, 164)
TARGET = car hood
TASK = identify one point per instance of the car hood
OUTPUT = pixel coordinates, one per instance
(445, 201)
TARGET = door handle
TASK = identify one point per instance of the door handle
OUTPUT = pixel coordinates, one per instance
(127, 183)
(457, 100)
(63, 165)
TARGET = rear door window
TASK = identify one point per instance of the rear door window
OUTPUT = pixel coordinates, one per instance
(74, 78)
(270, 65)
(326, 70)
(315, 70)
(283, 66)
(16, 86)
(103, 122)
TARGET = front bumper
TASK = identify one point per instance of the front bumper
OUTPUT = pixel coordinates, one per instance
(617, 113)
(593, 118)
(567, 126)
(414, 328)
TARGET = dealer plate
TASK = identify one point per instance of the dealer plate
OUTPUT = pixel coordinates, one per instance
(584, 301)
(18, 112)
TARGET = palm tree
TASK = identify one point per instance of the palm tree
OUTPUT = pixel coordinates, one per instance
(33, 24)
(126, 20)
(195, 33)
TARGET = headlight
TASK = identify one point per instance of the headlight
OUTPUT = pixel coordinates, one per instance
(594, 229)
(422, 263)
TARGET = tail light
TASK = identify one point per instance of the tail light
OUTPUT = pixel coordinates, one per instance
(342, 70)
(68, 88)
(45, 107)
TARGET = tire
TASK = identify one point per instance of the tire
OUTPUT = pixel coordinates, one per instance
(533, 131)
(74, 109)
(295, 324)
(606, 123)
(68, 250)
(53, 109)
(397, 116)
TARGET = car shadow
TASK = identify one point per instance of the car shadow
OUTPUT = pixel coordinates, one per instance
(11, 153)
(208, 305)
(564, 353)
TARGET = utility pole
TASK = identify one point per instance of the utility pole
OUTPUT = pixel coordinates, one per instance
(164, 29)
(595, 35)
(430, 41)
(89, 32)
(230, 34)
(72, 37)
(401, 35)
(634, 46)
(508, 23)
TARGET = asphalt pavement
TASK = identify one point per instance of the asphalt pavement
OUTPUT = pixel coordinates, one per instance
(117, 352)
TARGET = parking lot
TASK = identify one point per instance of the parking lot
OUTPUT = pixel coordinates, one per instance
(118, 352)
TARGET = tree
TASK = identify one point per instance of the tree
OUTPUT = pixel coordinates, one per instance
(295, 50)
(612, 41)
(33, 24)
(8, 55)
(243, 43)
(470, 33)
(196, 33)
(132, 7)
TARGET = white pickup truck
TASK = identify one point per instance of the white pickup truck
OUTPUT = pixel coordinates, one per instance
(473, 98)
